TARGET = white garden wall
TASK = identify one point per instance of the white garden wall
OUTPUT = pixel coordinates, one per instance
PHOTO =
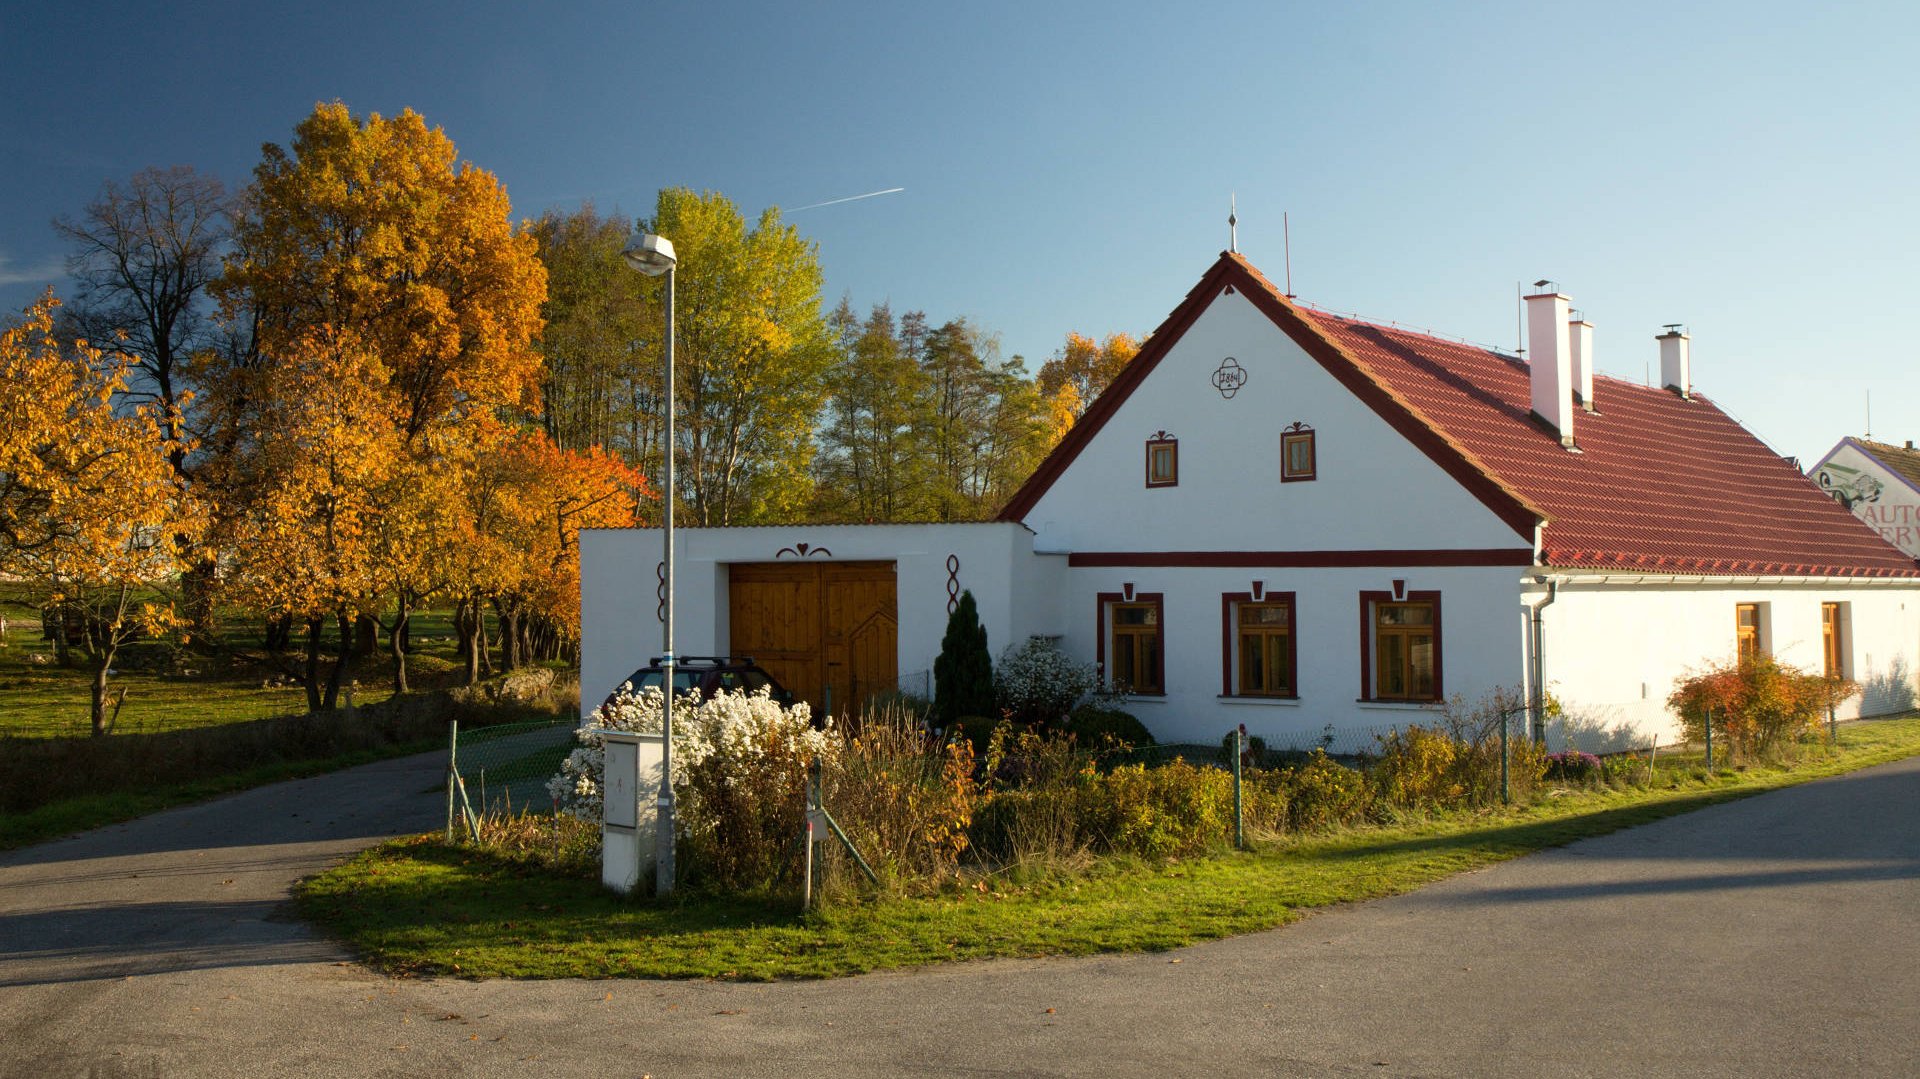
(1015, 589)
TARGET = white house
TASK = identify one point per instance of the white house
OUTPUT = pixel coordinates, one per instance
(1879, 483)
(1287, 518)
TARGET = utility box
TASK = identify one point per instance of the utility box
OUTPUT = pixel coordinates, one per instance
(630, 812)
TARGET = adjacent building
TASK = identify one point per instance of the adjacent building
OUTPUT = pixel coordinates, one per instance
(1880, 483)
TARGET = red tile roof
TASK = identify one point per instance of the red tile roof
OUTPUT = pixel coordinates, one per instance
(1661, 485)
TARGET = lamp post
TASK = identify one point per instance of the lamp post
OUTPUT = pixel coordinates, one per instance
(653, 255)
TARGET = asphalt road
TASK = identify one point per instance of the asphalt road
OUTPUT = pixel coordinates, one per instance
(1771, 936)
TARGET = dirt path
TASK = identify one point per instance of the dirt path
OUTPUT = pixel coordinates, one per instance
(1772, 936)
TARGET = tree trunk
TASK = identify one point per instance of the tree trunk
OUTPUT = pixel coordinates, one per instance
(366, 635)
(279, 633)
(480, 642)
(102, 659)
(468, 619)
(397, 645)
(342, 663)
(313, 664)
(196, 588)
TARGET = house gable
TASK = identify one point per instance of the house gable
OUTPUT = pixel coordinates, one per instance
(1232, 369)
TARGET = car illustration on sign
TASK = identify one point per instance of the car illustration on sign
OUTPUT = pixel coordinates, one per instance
(1849, 486)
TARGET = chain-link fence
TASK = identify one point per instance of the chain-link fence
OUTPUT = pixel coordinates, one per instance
(504, 769)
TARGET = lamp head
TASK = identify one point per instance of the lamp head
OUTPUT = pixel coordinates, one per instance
(651, 255)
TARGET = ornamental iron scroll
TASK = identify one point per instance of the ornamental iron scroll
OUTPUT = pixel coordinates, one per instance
(953, 583)
(1229, 377)
(802, 550)
(660, 591)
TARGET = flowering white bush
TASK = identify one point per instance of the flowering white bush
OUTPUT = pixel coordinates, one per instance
(1038, 682)
(735, 727)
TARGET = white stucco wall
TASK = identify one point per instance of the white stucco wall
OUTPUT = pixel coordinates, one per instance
(1015, 589)
(1615, 646)
(1479, 646)
(1882, 498)
(1374, 489)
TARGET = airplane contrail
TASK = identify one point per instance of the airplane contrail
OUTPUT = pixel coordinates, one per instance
(849, 198)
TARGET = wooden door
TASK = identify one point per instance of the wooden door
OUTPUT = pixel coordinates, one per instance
(818, 626)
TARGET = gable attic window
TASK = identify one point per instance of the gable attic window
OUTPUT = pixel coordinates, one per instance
(1298, 455)
(1130, 647)
(1163, 460)
(1400, 656)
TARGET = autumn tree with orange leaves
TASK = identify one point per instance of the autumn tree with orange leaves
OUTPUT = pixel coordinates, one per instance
(93, 517)
(396, 310)
(1078, 373)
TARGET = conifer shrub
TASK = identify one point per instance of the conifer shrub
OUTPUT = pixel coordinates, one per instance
(963, 672)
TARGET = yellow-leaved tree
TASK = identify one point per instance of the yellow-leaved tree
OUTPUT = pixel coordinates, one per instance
(93, 517)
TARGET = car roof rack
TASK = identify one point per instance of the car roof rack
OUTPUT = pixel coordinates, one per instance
(745, 661)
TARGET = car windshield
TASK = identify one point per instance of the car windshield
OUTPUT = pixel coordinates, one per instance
(684, 679)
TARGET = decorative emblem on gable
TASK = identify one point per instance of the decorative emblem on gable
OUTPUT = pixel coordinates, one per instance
(1229, 377)
(802, 550)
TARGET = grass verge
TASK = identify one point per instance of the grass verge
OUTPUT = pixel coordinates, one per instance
(418, 906)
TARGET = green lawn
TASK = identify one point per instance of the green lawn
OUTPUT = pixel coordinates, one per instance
(420, 906)
(168, 689)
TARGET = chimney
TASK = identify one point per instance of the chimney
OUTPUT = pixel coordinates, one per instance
(1674, 363)
(1580, 334)
(1550, 366)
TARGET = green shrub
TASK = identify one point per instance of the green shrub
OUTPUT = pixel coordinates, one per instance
(1418, 769)
(1174, 809)
(1091, 724)
(1324, 792)
(963, 672)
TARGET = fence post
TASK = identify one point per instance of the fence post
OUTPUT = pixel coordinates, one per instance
(1506, 791)
(453, 769)
(1239, 821)
(1833, 728)
(1709, 742)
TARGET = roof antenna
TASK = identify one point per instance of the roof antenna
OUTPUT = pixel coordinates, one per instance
(1286, 240)
(1233, 225)
(1519, 319)
(1869, 415)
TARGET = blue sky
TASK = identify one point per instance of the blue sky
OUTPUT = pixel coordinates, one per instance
(1745, 169)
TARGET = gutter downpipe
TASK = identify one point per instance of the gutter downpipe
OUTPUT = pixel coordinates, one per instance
(1539, 702)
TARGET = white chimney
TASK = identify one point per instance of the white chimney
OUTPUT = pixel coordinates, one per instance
(1674, 362)
(1551, 368)
(1580, 334)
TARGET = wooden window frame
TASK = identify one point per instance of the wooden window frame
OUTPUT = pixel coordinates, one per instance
(1230, 667)
(1742, 650)
(1299, 434)
(1172, 446)
(1833, 639)
(1104, 602)
(1369, 603)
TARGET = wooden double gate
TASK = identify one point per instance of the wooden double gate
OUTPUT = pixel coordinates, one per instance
(816, 626)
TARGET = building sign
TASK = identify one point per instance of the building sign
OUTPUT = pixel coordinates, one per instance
(1876, 495)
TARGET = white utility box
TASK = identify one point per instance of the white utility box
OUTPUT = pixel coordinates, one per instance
(628, 836)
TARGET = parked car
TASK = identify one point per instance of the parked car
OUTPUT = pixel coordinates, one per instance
(709, 675)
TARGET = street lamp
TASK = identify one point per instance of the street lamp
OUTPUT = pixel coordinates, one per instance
(653, 255)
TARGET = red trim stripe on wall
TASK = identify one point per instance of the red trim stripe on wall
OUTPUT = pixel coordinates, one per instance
(1487, 556)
